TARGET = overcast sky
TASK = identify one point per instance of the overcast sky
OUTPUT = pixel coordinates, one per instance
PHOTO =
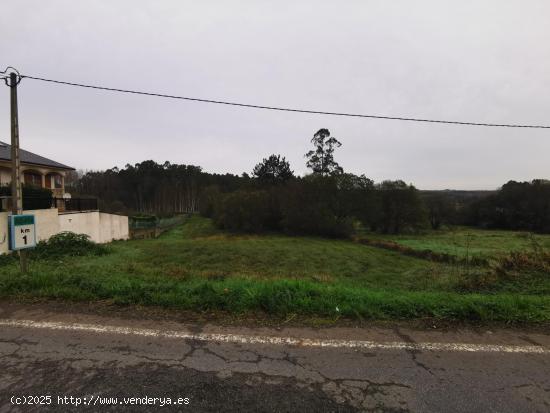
(482, 61)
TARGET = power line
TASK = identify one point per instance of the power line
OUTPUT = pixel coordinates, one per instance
(282, 109)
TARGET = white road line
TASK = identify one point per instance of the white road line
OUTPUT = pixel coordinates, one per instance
(274, 340)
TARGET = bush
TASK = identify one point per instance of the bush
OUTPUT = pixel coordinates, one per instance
(249, 211)
(67, 244)
(313, 206)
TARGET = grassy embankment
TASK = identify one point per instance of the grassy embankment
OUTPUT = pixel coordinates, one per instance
(197, 267)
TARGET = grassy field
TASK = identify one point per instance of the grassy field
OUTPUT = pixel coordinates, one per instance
(465, 241)
(197, 267)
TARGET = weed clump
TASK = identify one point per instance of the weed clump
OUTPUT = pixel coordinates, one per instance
(67, 244)
(517, 262)
(514, 267)
(534, 261)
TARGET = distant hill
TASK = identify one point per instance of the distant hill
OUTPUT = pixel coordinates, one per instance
(460, 194)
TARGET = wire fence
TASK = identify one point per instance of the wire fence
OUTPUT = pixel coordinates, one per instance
(152, 226)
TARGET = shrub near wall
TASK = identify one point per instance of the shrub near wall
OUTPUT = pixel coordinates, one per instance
(67, 243)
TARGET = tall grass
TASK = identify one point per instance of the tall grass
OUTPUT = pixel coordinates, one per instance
(280, 298)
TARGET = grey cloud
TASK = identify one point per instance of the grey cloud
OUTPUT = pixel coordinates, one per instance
(482, 61)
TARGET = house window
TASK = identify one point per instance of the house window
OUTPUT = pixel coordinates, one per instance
(57, 181)
(33, 179)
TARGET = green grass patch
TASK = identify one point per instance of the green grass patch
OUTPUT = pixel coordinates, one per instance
(197, 267)
(465, 241)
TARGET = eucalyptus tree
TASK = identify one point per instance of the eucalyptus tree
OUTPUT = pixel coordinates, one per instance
(321, 159)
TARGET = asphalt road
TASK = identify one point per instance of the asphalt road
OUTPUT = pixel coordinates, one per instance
(215, 376)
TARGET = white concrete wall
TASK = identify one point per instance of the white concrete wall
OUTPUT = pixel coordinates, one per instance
(98, 226)
(47, 223)
(81, 223)
(113, 227)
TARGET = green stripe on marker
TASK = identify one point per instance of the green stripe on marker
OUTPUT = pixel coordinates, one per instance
(23, 220)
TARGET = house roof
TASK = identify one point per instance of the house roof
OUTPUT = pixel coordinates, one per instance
(30, 158)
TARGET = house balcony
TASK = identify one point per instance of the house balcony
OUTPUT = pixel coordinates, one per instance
(40, 177)
(63, 205)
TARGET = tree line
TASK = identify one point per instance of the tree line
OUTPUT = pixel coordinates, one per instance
(328, 201)
(151, 188)
(516, 206)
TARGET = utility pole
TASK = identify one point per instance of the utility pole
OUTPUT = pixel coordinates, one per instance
(16, 195)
